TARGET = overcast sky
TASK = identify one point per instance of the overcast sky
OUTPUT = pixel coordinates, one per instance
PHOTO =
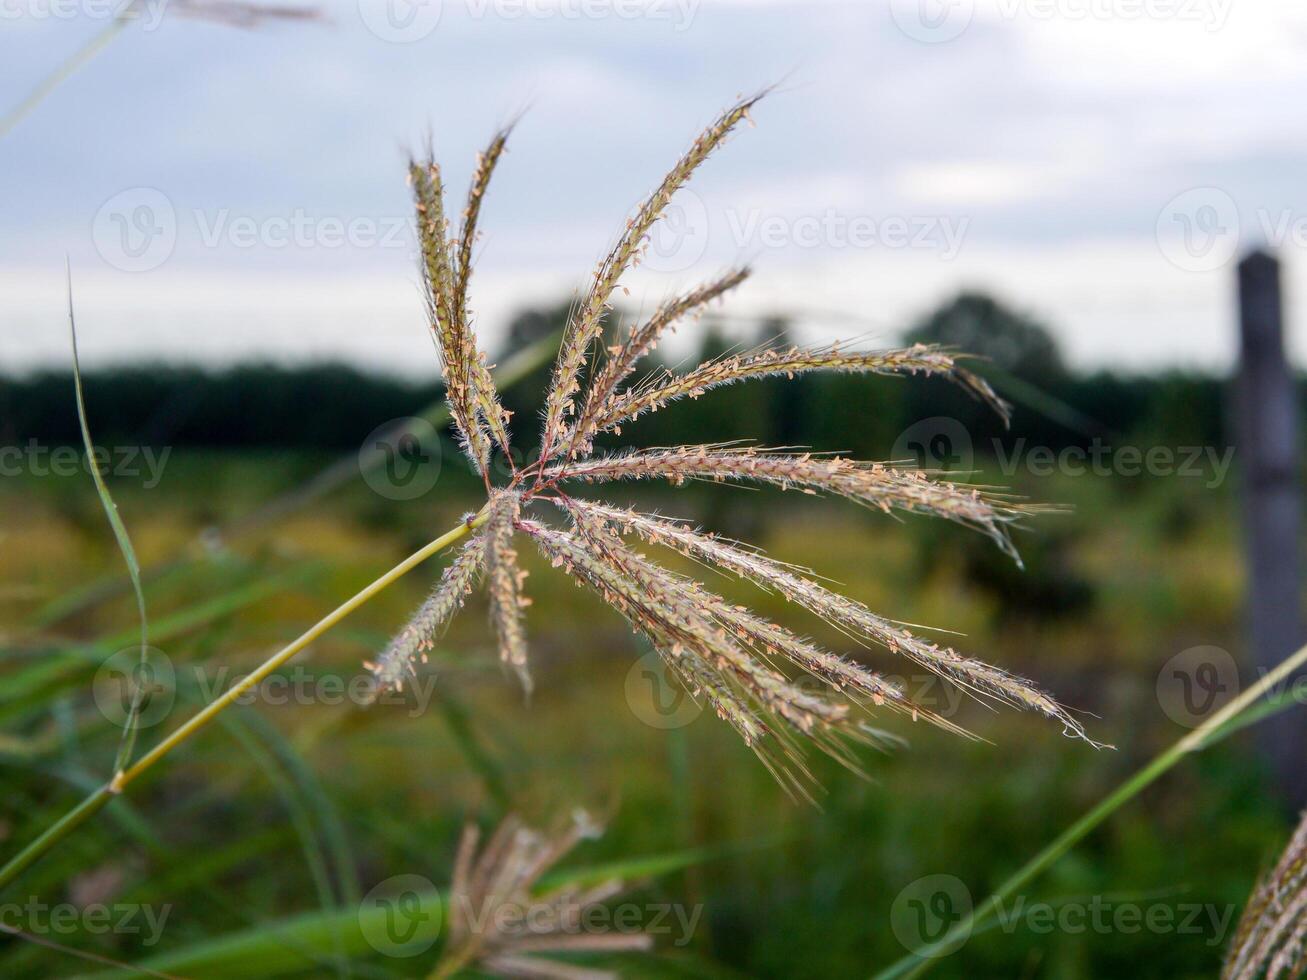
(229, 194)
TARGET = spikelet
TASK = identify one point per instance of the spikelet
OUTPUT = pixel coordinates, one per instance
(876, 485)
(788, 362)
(487, 398)
(1271, 940)
(500, 921)
(485, 166)
(588, 319)
(416, 639)
(504, 582)
(458, 355)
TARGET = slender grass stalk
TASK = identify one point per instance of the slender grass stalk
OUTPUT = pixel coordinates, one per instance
(119, 532)
(1215, 728)
(104, 794)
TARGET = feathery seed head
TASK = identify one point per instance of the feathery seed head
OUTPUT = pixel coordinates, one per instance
(777, 689)
(501, 920)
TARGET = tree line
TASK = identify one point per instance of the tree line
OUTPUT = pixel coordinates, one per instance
(334, 406)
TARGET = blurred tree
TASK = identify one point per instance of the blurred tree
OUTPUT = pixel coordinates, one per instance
(1008, 344)
(788, 400)
(980, 325)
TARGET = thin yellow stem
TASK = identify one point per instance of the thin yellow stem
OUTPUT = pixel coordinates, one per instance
(273, 663)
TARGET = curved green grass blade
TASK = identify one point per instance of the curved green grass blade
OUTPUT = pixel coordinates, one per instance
(120, 535)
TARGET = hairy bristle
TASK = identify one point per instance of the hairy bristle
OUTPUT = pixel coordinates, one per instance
(587, 321)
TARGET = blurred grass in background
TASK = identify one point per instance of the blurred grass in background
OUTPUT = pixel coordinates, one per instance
(294, 808)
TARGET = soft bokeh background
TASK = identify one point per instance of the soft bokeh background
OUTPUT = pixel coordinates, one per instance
(1063, 187)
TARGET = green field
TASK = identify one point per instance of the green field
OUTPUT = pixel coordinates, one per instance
(297, 808)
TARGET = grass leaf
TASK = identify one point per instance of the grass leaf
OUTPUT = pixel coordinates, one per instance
(120, 535)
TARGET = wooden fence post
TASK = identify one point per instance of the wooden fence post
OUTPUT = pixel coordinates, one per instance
(1267, 441)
